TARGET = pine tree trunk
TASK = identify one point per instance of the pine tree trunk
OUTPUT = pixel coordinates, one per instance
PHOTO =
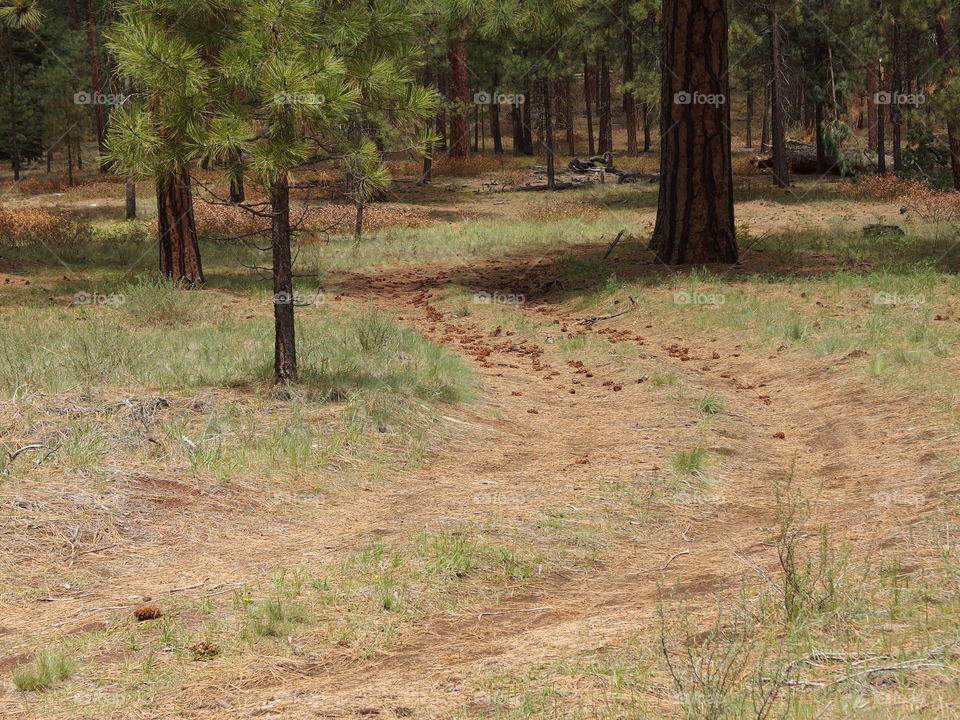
(765, 124)
(14, 124)
(179, 250)
(458, 143)
(475, 147)
(516, 125)
(871, 108)
(527, 123)
(130, 199)
(781, 170)
(571, 131)
(881, 132)
(695, 222)
(896, 113)
(495, 117)
(606, 141)
(822, 165)
(94, 57)
(548, 134)
(72, 14)
(587, 91)
(629, 102)
(646, 127)
(443, 89)
(749, 113)
(946, 55)
(285, 345)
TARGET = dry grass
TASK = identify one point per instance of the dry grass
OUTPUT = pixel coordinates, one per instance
(33, 226)
(365, 549)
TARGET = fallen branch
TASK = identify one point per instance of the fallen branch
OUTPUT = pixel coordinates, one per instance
(34, 446)
(613, 244)
(189, 587)
(593, 319)
(510, 612)
(667, 563)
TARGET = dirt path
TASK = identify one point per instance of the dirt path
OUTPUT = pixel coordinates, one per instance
(846, 442)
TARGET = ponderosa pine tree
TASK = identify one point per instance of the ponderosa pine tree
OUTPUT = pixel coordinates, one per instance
(165, 48)
(15, 19)
(316, 80)
(695, 210)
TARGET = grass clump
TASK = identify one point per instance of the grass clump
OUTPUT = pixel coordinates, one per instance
(710, 405)
(691, 462)
(275, 616)
(47, 668)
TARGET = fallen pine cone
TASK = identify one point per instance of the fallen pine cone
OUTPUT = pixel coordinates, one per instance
(204, 650)
(779, 435)
(147, 612)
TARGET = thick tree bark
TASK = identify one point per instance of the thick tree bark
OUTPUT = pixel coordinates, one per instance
(695, 222)
(587, 93)
(946, 55)
(781, 170)
(285, 345)
(94, 57)
(458, 143)
(179, 250)
(629, 102)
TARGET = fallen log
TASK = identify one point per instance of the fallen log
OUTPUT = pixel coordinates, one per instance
(802, 159)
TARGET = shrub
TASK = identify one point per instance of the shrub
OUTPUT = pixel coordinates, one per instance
(22, 227)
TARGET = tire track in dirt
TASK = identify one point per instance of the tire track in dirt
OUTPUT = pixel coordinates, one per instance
(831, 425)
(826, 418)
(840, 436)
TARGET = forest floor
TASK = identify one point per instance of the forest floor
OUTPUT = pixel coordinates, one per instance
(617, 491)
